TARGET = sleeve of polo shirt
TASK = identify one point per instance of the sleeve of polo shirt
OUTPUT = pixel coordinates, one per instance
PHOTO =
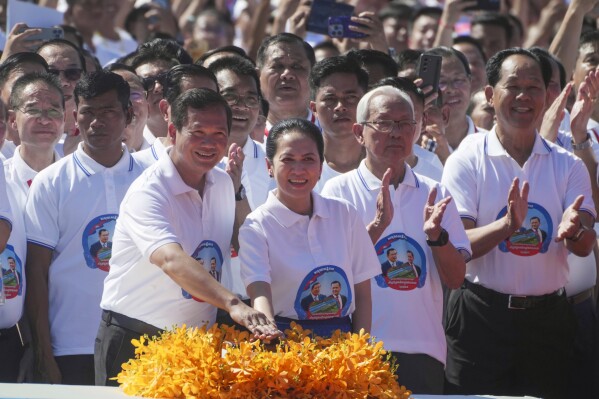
(146, 218)
(5, 213)
(42, 213)
(579, 182)
(331, 190)
(253, 253)
(365, 263)
(459, 178)
(453, 224)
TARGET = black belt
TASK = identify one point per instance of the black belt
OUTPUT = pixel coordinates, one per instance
(137, 326)
(518, 302)
(581, 297)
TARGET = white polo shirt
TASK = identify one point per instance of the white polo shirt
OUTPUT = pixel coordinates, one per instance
(412, 290)
(160, 209)
(428, 164)
(69, 204)
(16, 249)
(256, 181)
(292, 252)
(148, 157)
(21, 174)
(8, 149)
(148, 135)
(327, 174)
(479, 177)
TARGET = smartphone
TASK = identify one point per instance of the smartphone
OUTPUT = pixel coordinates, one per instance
(318, 20)
(429, 70)
(46, 34)
(339, 27)
(485, 5)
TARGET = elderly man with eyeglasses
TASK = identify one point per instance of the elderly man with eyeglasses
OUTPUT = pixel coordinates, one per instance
(413, 215)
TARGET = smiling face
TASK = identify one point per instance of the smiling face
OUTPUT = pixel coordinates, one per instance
(392, 256)
(296, 167)
(239, 91)
(335, 103)
(102, 121)
(519, 95)
(201, 143)
(335, 288)
(284, 79)
(476, 62)
(42, 132)
(455, 86)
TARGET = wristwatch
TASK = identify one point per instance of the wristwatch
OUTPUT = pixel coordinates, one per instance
(442, 240)
(240, 194)
(584, 145)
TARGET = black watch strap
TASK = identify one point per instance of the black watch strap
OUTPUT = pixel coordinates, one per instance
(441, 241)
(240, 194)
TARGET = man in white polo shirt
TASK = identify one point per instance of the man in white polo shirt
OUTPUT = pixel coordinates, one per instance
(419, 225)
(510, 328)
(37, 115)
(68, 203)
(179, 211)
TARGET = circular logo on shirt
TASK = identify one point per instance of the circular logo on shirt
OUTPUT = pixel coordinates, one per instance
(12, 273)
(403, 264)
(533, 237)
(323, 294)
(210, 257)
(97, 241)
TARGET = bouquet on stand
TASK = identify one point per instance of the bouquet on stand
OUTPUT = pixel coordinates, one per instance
(223, 363)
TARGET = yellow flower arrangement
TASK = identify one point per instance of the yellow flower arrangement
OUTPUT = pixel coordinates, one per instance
(223, 363)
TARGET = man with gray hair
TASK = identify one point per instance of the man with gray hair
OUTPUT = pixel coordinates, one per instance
(428, 227)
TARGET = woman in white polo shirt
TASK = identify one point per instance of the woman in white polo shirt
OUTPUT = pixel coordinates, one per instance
(306, 258)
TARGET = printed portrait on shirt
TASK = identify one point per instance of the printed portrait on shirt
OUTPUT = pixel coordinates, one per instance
(323, 294)
(210, 257)
(403, 264)
(97, 241)
(12, 273)
(533, 237)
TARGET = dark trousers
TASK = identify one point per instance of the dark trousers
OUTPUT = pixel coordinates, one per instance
(494, 350)
(113, 345)
(584, 373)
(419, 373)
(76, 369)
(11, 352)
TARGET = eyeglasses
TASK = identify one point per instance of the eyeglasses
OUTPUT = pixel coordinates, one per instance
(51, 113)
(72, 74)
(250, 101)
(387, 126)
(150, 81)
(456, 83)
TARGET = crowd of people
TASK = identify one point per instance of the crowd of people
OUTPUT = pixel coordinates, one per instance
(191, 162)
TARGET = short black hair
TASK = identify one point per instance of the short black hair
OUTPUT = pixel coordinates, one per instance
(336, 64)
(134, 15)
(95, 60)
(588, 38)
(290, 126)
(542, 53)
(100, 82)
(16, 96)
(391, 249)
(161, 50)
(370, 57)
(101, 231)
(434, 12)
(233, 50)
(237, 65)
(288, 38)
(448, 52)
(404, 84)
(119, 66)
(327, 45)
(14, 61)
(397, 11)
(172, 81)
(197, 99)
(494, 64)
(495, 19)
(406, 57)
(64, 43)
(470, 40)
